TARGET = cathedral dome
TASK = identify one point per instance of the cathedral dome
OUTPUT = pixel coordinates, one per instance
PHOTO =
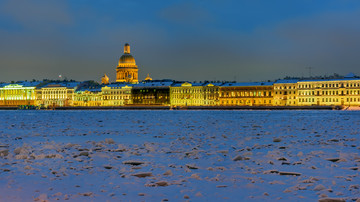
(127, 59)
(127, 70)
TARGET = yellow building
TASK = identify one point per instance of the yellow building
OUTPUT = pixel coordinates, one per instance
(127, 70)
(18, 94)
(186, 94)
(211, 94)
(194, 94)
(331, 92)
(116, 95)
(88, 97)
(56, 94)
(285, 93)
(246, 94)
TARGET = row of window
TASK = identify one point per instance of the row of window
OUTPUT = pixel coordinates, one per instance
(329, 100)
(285, 92)
(112, 103)
(7, 92)
(107, 97)
(17, 98)
(56, 91)
(246, 102)
(187, 91)
(150, 97)
(116, 92)
(88, 104)
(58, 103)
(54, 97)
(189, 102)
(191, 90)
(15, 102)
(245, 93)
(126, 75)
(284, 87)
(329, 85)
(288, 103)
(186, 96)
(117, 87)
(351, 92)
(88, 99)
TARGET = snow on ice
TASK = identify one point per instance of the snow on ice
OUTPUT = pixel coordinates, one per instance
(179, 155)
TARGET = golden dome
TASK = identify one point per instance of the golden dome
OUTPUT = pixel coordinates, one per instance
(126, 59)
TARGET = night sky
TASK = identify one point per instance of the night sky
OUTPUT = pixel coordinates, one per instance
(252, 40)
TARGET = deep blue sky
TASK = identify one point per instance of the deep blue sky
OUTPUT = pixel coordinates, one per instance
(252, 40)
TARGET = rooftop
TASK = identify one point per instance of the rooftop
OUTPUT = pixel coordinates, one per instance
(61, 84)
(248, 84)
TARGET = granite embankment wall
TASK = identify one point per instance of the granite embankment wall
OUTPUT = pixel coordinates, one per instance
(159, 107)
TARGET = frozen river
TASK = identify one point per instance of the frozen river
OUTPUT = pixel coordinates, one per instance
(179, 155)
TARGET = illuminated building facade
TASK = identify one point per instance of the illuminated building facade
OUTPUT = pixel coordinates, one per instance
(56, 94)
(345, 92)
(116, 94)
(211, 94)
(285, 93)
(18, 94)
(87, 97)
(186, 94)
(323, 92)
(194, 94)
(246, 94)
(127, 70)
(152, 93)
(88, 93)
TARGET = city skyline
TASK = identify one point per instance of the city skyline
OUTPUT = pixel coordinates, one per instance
(189, 41)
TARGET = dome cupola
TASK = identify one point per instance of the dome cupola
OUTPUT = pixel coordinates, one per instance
(126, 58)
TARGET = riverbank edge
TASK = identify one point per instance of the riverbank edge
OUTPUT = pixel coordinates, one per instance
(157, 107)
